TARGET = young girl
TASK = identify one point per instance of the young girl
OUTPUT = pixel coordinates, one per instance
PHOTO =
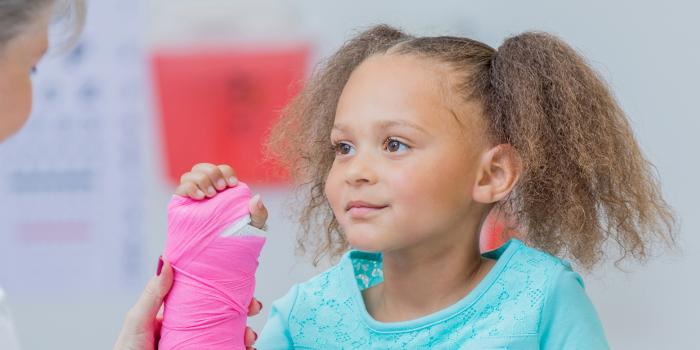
(406, 144)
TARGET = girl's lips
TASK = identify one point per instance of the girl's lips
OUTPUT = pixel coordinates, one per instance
(359, 212)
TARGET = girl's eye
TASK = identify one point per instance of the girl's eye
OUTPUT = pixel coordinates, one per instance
(393, 145)
(342, 148)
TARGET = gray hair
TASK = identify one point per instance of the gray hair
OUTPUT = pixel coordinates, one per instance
(16, 14)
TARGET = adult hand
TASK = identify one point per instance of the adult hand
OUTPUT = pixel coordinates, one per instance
(141, 328)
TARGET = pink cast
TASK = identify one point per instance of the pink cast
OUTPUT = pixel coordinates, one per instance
(214, 275)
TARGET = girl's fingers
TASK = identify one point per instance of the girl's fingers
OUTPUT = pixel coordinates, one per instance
(203, 182)
(229, 174)
(214, 173)
(189, 189)
(194, 192)
(258, 212)
(182, 189)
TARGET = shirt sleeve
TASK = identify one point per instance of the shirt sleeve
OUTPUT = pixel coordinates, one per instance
(569, 320)
(8, 336)
(275, 335)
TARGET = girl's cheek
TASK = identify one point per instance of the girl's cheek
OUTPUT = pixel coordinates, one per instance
(332, 188)
(407, 186)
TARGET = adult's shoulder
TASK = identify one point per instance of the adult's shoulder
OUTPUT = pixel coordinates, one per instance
(8, 335)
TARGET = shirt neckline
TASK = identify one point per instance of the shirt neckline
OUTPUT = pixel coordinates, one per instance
(502, 256)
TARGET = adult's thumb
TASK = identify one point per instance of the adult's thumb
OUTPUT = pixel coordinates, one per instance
(151, 299)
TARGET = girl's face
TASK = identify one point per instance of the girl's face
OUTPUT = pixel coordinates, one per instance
(405, 165)
(18, 57)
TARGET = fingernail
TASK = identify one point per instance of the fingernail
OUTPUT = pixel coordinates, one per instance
(260, 203)
(200, 194)
(220, 183)
(211, 191)
(232, 180)
(160, 265)
(256, 200)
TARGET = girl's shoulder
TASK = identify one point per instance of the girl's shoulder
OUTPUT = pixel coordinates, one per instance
(517, 260)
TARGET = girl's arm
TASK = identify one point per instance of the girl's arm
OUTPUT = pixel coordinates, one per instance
(569, 320)
(205, 180)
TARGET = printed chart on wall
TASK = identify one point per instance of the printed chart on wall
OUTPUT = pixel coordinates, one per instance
(72, 180)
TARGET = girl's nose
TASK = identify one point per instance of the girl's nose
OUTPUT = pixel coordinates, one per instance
(361, 170)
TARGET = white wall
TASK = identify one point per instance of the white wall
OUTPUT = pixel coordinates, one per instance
(648, 52)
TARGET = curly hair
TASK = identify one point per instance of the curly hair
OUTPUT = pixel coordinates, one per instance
(584, 179)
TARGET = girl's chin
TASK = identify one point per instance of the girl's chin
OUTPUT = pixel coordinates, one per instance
(365, 241)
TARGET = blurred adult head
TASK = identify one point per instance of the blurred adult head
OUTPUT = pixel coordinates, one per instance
(24, 39)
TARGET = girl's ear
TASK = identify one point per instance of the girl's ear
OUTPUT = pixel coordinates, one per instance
(498, 172)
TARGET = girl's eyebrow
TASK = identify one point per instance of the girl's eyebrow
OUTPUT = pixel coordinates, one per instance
(339, 127)
(385, 124)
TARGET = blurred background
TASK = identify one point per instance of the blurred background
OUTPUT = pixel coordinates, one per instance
(155, 86)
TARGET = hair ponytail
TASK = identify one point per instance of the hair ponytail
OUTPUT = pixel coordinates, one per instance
(584, 177)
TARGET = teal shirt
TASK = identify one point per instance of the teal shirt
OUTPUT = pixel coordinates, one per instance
(529, 300)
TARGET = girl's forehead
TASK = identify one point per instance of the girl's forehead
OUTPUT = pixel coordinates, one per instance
(399, 91)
